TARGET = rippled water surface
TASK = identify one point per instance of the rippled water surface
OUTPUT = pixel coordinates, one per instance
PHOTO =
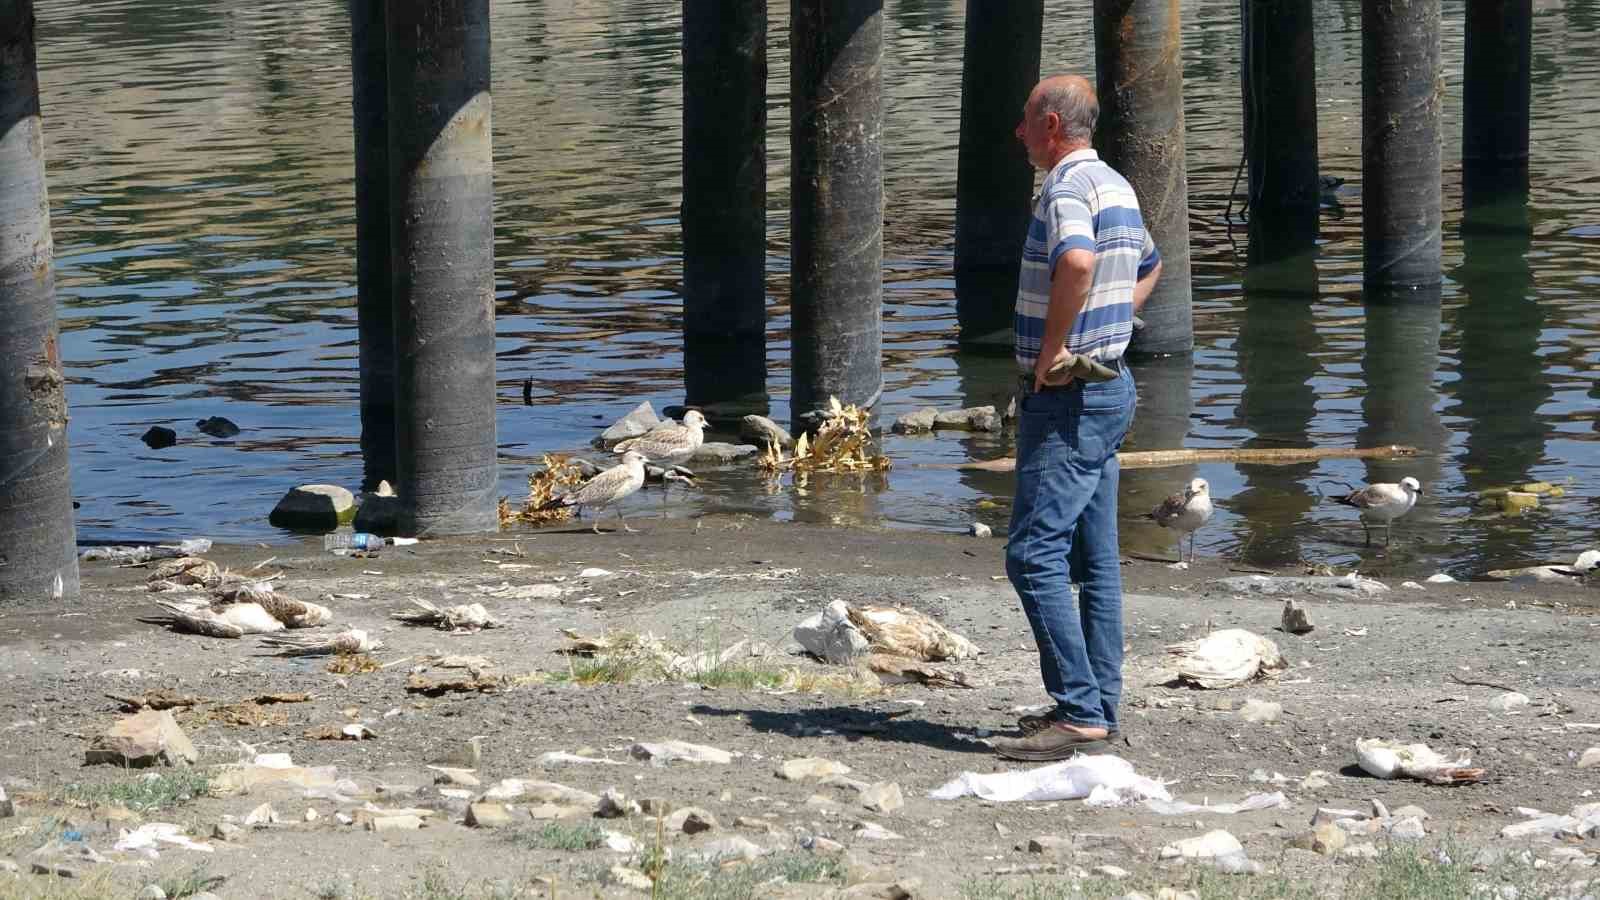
(200, 170)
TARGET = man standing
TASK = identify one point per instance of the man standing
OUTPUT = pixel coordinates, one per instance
(1087, 267)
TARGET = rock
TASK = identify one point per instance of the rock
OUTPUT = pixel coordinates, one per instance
(394, 823)
(830, 636)
(762, 431)
(872, 831)
(1295, 620)
(1314, 782)
(641, 419)
(680, 751)
(617, 842)
(159, 437)
(1327, 839)
(457, 777)
(314, 507)
(1439, 578)
(615, 805)
(622, 876)
(1510, 701)
(1207, 846)
(656, 806)
(311, 815)
(882, 890)
(541, 792)
(730, 848)
(1540, 826)
(378, 512)
(1409, 828)
(1379, 810)
(555, 812)
(976, 418)
(261, 816)
(1589, 760)
(718, 452)
(1411, 812)
(819, 844)
(226, 831)
(754, 824)
(884, 797)
(218, 427)
(7, 808)
(149, 738)
(1236, 864)
(691, 820)
(487, 815)
(1259, 711)
(1515, 503)
(1052, 845)
(151, 892)
(917, 422)
(845, 783)
(1110, 871)
(810, 767)
(1340, 586)
(979, 530)
(1360, 851)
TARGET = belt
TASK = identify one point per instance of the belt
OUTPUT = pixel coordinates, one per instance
(1025, 381)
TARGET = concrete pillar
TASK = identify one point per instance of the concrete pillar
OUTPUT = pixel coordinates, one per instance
(1140, 82)
(724, 203)
(442, 237)
(369, 76)
(1280, 127)
(1401, 86)
(836, 197)
(994, 181)
(1497, 85)
(38, 540)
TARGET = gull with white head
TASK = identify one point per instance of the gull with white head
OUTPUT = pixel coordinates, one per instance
(606, 489)
(669, 443)
(1382, 504)
(1185, 511)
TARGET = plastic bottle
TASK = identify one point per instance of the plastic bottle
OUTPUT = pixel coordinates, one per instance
(351, 540)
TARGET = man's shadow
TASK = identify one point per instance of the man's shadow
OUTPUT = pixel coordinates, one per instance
(853, 724)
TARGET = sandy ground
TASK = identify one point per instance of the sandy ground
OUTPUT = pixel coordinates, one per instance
(1375, 666)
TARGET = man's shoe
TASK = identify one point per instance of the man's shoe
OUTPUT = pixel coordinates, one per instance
(1032, 724)
(1052, 742)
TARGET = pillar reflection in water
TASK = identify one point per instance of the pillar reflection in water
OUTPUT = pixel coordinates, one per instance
(1399, 405)
(1161, 422)
(1277, 347)
(983, 379)
(1502, 379)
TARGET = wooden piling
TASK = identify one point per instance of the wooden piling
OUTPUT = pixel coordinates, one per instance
(1140, 82)
(994, 180)
(442, 232)
(1279, 80)
(369, 77)
(38, 539)
(1401, 86)
(836, 197)
(1497, 85)
(724, 203)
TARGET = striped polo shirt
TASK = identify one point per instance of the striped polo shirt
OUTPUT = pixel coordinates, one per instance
(1084, 205)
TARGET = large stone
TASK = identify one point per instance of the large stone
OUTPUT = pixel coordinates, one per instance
(691, 820)
(1510, 701)
(641, 419)
(813, 767)
(487, 815)
(1590, 758)
(976, 418)
(917, 422)
(664, 752)
(314, 507)
(884, 797)
(541, 792)
(159, 437)
(1327, 839)
(149, 738)
(719, 452)
(218, 427)
(762, 431)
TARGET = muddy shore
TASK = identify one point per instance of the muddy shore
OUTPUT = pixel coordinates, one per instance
(1389, 664)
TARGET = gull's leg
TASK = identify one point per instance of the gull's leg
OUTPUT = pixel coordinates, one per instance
(624, 522)
(1366, 531)
(1386, 529)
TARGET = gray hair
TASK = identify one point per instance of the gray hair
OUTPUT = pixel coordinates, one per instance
(1078, 108)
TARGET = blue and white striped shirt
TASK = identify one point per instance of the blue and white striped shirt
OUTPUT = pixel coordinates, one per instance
(1084, 205)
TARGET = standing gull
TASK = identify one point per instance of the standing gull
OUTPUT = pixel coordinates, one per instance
(1383, 503)
(1185, 511)
(669, 443)
(606, 489)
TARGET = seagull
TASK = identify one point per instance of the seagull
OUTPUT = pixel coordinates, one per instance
(1383, 503)
(606, 488)
(669, 443)
(1185, 511)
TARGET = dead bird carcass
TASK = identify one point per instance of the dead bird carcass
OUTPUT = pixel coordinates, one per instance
(243, 609)
(463, 619)
(1224, 659)
(344, 643)
(1391, 759)
(842, 632)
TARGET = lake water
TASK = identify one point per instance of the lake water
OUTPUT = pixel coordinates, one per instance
(199, 156)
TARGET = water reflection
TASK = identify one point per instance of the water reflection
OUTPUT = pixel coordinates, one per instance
(1160, 422)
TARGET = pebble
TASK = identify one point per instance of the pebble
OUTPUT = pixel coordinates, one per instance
(1590, 758)
(884, 797)
(152, 892)
(819, 844)
(261, 816)
(394, 823)
(1314, 782)
(1409, 828)
(1510, 701)
(1327, 839)
(1440, 578)
(872, 831)
(1409, 811)
(457, 777)
(810, 767)
(1379, 811)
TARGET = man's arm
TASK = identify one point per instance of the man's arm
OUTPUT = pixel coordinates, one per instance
(1069, 291)
(1143, 287)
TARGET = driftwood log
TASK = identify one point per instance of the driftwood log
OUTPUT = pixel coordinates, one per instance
(1156, 459)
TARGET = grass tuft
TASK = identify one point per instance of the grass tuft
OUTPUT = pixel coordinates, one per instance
(195, 881)
(746, 881)
(555, 836)
(149, 792)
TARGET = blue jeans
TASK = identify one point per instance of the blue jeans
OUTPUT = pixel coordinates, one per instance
(1064, 531)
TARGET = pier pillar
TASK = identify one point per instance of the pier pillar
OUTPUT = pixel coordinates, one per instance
(38, 539)
(725, 203)
(1140, 82)
(1401, 86)
(1497, 86)
(441, 224)
(994, 181)
(369, 65)
(1279, 79)
(836, 200)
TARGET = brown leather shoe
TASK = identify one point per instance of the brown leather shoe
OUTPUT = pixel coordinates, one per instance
(1055, 741)
(1031, 724)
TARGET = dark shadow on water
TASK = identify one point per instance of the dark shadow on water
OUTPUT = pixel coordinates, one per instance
(1161, 421)
(852, 723)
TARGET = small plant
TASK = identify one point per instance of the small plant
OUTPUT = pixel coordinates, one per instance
(148, 792)
(555, 836)
(195, 881)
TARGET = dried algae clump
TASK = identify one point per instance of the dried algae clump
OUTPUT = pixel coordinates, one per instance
(843, 444)
(560, 472)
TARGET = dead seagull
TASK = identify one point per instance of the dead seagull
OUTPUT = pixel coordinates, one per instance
(1382, 503)
(606, 489)
(669, 443)
(1184, 512)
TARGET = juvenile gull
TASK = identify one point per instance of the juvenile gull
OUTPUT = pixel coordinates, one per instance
(669, 443)
(1185, 511)
(607, 488)
(1383, 503)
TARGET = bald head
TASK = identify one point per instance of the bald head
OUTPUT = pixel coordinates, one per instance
(1073, 100)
